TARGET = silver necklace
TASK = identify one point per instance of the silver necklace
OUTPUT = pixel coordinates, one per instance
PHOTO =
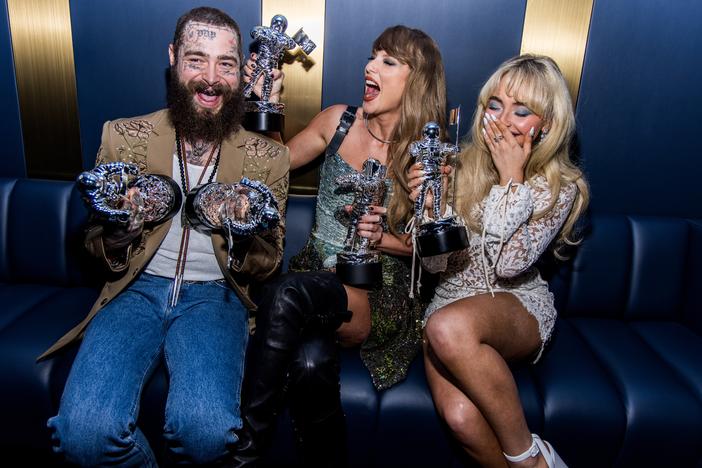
(365, 122)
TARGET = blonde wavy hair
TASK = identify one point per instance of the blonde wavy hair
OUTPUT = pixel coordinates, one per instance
(423, 100)
(537, 82)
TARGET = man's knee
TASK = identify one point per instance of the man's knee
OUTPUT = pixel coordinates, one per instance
(91, 439)
(200, 436)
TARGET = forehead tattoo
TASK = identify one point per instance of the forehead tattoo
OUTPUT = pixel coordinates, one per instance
(196, 34)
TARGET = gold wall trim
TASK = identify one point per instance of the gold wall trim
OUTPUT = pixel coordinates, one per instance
(302, 93)
(559, 29)
(42, 45)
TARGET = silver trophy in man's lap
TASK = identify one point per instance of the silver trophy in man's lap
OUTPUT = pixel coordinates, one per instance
(238, 210)
(117, 193)
(263, 115)
(359, 263)
(441, 234)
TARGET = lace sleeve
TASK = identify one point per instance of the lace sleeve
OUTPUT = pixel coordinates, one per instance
(512, 239)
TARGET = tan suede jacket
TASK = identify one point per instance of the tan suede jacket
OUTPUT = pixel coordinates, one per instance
(149, 142)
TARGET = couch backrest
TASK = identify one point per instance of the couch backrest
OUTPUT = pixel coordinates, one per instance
(298, 225)
(41, 232)
(627, 267)
(41, 228)
(634, 267)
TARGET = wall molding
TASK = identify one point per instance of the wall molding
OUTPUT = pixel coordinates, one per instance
(42, 45)
(559, 29)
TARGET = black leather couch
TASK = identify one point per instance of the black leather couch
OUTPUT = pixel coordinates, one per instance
(621, 383)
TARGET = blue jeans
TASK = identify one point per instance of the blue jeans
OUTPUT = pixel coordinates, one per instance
(202, 341)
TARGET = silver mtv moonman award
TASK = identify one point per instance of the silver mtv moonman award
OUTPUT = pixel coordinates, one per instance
(262, 115)
(116, 193)
(442, 234)
(240, 210)
(359, 263)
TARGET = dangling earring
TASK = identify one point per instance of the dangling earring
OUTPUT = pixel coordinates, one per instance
(543, 135)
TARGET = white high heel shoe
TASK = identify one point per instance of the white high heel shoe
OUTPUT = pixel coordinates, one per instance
(539, 446)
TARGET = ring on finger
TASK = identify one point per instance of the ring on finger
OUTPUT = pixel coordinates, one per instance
(498, 137)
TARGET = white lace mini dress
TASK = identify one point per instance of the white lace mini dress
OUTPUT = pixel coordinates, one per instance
(501, 258)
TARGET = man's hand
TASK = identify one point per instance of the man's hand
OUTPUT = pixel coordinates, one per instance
(276, 74)
(118, 236)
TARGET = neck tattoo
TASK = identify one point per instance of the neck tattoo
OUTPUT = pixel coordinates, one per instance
(198, 153)
(365, 122)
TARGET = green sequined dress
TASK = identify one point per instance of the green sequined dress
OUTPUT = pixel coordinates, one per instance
(395, 335)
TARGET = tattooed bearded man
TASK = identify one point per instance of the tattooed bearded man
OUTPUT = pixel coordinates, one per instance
(197, 327)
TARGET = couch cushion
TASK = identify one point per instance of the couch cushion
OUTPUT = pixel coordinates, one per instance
(578, 397)
(299, 219)
(41, 230)
(30, 396)
(692, 308)
(663, 412)
(6, 186)
(644, 262)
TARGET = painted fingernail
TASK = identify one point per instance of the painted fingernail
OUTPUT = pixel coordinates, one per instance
(484, 132)
(531, 132)
(485, 119)
(492, 116)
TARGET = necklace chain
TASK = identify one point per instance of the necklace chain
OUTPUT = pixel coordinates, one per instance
(365, 122)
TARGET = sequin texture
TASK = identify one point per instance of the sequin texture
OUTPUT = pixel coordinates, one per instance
(395, 334)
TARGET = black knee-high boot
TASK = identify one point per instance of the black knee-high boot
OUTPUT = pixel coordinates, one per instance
(315, 402)
(289, 307)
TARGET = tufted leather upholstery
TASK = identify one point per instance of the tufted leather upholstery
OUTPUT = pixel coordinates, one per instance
(621, 383)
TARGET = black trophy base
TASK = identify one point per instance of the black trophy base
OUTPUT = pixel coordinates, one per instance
(439, 238)
(263, 122)
(360, 275)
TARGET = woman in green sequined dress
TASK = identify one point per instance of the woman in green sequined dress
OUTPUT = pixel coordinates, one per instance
(404, 89)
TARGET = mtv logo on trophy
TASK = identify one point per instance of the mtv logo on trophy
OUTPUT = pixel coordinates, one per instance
(263, 115)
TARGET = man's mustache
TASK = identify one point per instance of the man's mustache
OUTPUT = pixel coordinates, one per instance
(216, 89)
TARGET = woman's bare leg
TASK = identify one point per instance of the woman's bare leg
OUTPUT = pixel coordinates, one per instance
(463, 418)
(356, 331)
(473, 338)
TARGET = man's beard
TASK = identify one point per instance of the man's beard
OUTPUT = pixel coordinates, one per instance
(195, 124)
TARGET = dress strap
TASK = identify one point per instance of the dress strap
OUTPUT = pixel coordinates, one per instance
(347, 119)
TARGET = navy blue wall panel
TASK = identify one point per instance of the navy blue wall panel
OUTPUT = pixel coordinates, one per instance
(11, 148)
(121, 55)
(474, 38)
(639, 107)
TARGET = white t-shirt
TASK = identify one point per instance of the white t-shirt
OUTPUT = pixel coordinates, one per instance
(201, 263)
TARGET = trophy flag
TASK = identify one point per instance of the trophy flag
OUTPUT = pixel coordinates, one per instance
(455, 119)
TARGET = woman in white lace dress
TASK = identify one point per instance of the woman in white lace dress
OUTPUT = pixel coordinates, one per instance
(519, 193)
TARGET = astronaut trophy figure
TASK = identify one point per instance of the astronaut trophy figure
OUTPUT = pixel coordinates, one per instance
(439, 234)
(359, 263)
(239, 210)
(262, 115)
(117, 194)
